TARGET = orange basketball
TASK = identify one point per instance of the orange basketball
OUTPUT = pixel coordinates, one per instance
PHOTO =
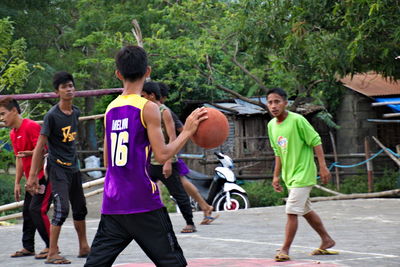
(213, 131)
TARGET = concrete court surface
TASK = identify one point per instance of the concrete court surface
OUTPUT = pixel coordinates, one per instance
(367, 233)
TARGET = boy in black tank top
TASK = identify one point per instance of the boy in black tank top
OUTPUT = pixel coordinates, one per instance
(59, 133)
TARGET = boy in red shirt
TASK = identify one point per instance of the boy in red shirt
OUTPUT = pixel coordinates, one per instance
(24, 135)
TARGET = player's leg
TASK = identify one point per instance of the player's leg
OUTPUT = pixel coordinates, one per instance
(79, 212)
(154, 233)
(316, 223)
(110, 240)
(60, 189)
(39, 207)
(175, 188)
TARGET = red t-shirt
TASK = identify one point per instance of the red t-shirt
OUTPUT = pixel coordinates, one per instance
(24, 139)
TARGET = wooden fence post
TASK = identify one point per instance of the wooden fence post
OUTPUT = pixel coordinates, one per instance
(369, 165)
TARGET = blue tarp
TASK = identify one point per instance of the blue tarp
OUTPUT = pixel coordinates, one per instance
(395, 108)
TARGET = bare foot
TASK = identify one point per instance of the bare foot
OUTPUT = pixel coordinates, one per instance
(84, 252)
(328, 243)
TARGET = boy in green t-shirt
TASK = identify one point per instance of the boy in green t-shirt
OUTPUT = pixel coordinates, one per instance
(294, 142)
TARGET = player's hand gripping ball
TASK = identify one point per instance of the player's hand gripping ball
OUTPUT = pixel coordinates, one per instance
(213, 131)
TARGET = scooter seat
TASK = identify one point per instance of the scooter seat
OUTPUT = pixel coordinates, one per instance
(195, 175)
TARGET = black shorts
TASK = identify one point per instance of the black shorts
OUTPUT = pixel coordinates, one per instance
(151, 230)
(66, 188)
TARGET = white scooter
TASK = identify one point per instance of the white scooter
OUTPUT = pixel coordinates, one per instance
(221, 191)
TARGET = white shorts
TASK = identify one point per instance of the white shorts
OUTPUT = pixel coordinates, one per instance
(298, 201)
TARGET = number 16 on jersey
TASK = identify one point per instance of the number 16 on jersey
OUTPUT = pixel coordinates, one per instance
(119, 148)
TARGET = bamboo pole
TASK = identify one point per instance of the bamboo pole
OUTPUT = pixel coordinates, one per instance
(84, 93)
(85, 185)
(19, 204)
(328, 190)
(395, 192)
(375, 104)
(11, 216)
(391, 115)
(85, 118)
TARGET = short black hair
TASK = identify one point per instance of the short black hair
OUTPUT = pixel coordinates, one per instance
(131, 62)
(9, 103)
(164, 89)
(278, 91)
(152, 88)
(62, 77)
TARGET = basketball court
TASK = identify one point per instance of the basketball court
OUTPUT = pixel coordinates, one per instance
(366, 232)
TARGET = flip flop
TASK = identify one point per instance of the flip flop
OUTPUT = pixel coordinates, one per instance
(209, 219)
(189, 229)
(42, 255)
(58, 261)
(281, 257)
(83, 255)
(319, 251)
(22, 253)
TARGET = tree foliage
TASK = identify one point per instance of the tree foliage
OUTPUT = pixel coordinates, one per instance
(13, 66)
(211, 49)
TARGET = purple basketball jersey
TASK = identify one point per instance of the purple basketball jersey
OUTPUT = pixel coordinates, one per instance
(127, 186)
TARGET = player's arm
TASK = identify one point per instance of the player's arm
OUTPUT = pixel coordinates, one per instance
(323, 170)
(18, 177)
(32, 184)
(169, 125)
(105, 154)
(277, 172)
(170, 128)
(152, 118)
(26, 153)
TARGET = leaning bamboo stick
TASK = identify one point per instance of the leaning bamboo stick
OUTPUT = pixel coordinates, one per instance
(385, 149)
(328, 190)
(394, 192)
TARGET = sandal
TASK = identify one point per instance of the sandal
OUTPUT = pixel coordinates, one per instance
(61, 260)
(42, 255)
(280, 257)
(319, 251)
(189, 229)
(22, 253)
(209, 219)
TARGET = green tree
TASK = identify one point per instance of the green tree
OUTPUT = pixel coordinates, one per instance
(13, 66)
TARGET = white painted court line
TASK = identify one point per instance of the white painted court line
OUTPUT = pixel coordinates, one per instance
(379, 255)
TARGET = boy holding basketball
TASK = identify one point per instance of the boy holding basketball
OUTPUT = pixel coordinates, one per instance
(293, 140)
(132, 209)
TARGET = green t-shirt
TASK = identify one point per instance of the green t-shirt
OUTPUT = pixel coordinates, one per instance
(293, 141)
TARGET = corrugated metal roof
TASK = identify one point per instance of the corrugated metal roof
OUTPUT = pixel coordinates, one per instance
(241, 107)
(372, 84)
(249, 109)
